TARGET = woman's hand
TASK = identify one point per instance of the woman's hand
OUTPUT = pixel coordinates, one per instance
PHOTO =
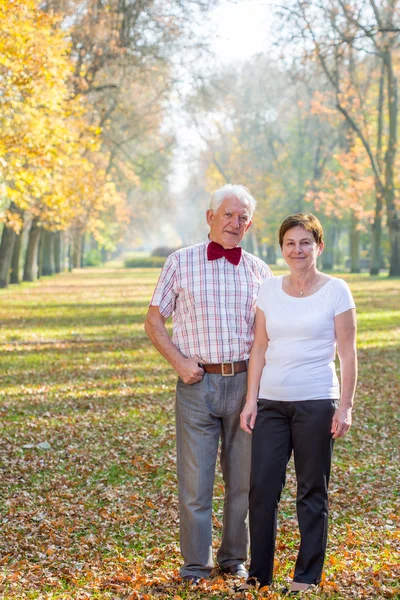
(341, 422)
(248, 416)
(255, 368)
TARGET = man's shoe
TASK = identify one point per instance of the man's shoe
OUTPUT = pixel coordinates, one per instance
(191, 579)
(236, 571)
(251, 583)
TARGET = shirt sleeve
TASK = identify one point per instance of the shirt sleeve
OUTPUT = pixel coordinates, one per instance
(269, 273)
(265, 271)
(343, 297)
(164, 295)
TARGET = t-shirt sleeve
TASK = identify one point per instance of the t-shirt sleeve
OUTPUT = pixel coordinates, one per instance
(343, 298)
(164, 295)
(262, 294)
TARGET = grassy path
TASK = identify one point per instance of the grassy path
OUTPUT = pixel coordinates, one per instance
(88, 505)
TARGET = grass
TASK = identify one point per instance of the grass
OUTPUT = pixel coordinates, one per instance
(88, 502)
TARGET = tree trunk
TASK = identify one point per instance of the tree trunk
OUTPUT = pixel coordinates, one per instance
(83, 249)
(76, 250)
(338, 253)
(30, 268)
(271, 255)
(67, 243)
(376, 235)
(390, 199)
(328, 255)
(263, 251)
(7, 243)
(6, 252)
(48, 252)
(40, 256)
(70, 265)
(58, 252)
(246, 243)
(104, 255)
(15, 262)
(376, 229)
(394, 237)
(354, 245)
(254, 242)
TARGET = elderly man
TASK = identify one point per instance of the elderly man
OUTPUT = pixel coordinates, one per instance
(210, 290)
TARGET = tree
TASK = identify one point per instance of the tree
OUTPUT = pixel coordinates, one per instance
(33, 71)
(259, 128)
(52, 166)
(127, 60)
(355, 43)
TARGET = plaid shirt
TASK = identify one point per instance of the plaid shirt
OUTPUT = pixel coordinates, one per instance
(212, 303)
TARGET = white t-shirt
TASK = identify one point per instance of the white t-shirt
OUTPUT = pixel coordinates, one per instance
(302, 342)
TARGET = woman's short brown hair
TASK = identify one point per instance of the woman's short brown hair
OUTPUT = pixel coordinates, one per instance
(306, 220)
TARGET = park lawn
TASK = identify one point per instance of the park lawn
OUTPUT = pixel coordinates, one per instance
(88, 487)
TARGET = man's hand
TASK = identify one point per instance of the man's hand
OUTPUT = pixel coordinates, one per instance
(248, 416)
(341, 422)
(190, 371)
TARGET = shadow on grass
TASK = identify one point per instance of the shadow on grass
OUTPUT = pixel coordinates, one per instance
(93, 318)
(103, 497)
(85, 306)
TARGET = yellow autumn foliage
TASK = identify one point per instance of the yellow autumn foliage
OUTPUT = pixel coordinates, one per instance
(50, 160)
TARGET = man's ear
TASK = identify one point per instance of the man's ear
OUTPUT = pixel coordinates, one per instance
(209, 216)
(248, 226)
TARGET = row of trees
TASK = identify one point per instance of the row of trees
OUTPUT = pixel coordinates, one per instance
(83, 88)
(315, 129)
(47, 147)
(85, 151)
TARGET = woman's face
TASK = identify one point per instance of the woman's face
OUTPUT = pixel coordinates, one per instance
(300, 250)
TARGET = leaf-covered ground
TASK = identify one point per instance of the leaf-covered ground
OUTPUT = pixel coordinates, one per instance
(88, 487)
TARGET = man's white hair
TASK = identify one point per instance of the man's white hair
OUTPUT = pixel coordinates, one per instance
(227, 191)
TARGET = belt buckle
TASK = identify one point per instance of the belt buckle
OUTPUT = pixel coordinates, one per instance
(231, 374)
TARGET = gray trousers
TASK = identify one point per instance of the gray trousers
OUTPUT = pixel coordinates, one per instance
(207, 412)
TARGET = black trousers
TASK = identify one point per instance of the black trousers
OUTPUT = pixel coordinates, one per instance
(305, 428)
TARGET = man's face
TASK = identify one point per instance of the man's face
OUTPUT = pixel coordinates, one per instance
(229, 222)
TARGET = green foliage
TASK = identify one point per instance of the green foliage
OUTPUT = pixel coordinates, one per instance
(87, 454)
(92, 258)
(144, 262)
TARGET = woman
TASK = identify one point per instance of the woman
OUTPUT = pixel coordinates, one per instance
(293, 399)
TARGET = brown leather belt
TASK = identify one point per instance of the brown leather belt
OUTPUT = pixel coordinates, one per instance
(226, 369)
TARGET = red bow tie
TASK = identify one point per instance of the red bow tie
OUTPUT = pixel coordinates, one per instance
(215, 251)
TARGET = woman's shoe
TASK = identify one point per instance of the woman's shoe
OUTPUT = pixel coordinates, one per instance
(291, 592)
